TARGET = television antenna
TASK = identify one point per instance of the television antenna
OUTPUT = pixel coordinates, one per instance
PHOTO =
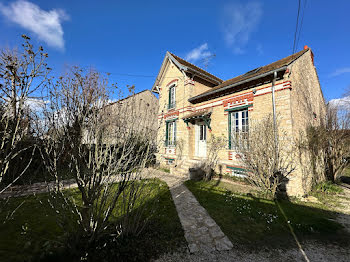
(205, 61)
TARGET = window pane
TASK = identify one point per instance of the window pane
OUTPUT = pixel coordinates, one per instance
(171, 131)
(172, 97)
(239, 128)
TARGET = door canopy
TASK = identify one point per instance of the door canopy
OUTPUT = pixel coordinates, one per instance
(198, 115)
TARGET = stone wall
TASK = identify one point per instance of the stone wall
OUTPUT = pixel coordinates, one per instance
(137, 113)
(308, 109)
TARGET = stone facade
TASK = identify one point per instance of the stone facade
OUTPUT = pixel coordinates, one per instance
(135, 113)
(298, 99)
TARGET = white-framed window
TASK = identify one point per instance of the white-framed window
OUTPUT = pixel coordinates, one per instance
(171, 97)
(238, 128)
(170, 136)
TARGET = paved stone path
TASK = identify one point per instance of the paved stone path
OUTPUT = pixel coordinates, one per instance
(201, 231)
(36, 188)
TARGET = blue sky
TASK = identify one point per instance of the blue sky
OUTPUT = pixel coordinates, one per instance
(129, 38)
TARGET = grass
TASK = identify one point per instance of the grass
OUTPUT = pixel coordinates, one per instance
(233, 178)
(258, 223)
(34, 229)
(328, 188)
(164, 169)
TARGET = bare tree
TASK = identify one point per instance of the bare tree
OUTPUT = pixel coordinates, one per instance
(104, 150)
(180, 144)
(336, 140)
(215, 145)
(267, 163)
(23, 74)
(327, 146)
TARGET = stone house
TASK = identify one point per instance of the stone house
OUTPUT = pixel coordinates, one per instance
(136, 113)
(194, 104)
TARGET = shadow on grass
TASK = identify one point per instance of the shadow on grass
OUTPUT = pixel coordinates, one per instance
(33, 233)
(257, 223)
(346, 181)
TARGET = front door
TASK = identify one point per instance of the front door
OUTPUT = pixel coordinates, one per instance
(201, 140)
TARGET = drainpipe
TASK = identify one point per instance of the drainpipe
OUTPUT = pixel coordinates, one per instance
(274, 115)
(183, 100)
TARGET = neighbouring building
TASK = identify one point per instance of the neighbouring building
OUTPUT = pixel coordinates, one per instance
(136, 113)
(194, 104)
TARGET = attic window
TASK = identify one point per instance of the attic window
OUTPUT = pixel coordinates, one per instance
(253, 71)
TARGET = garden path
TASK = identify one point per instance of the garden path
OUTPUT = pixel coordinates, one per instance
(201, 231)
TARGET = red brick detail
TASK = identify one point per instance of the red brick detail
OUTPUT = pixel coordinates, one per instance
(289, 87)
(171, 114)
(287, 84)
(230, 155)
(239, 99)
(172, 81)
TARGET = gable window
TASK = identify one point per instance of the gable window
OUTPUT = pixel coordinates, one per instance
(238, 128)
(171, 97)
(170, 136)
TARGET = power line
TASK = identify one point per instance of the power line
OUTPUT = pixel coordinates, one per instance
(131, 75)
(296, 28)
(301, 23)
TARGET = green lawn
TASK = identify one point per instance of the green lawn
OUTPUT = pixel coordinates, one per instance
(34, 229)
(258, 223)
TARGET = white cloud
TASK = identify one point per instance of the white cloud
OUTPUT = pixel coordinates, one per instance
(199, 53)
(239, 21)
(341, 103)
(46, 25)
(35, 105)
(340, 71)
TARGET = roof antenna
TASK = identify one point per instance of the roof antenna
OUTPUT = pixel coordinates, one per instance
(205, 61)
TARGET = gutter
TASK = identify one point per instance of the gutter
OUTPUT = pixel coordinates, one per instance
(203, 75)
(236, 84)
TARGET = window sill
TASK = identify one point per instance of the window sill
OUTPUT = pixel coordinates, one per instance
(172, 107)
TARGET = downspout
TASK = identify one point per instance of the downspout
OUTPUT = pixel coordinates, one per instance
(183, 100)
(275, 131)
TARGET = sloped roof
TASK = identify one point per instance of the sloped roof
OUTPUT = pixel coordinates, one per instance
(132, 95)
(253, 73)
(185, 66)
(195, 68)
